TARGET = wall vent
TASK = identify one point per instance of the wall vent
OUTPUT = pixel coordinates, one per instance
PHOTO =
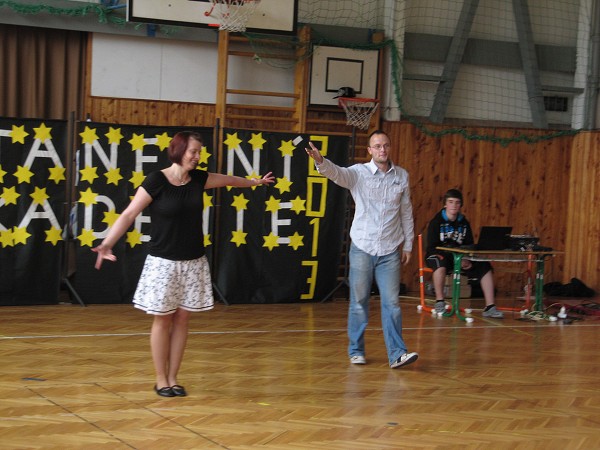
(556, 103)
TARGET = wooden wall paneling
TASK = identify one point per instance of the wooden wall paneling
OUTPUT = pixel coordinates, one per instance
(472, 181)
(552, 163)
(148, 112)
(156, 113)
(574, 256)
(593, 217)
(582, 253)
(517, 184)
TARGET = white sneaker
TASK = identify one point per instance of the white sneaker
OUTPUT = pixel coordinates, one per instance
(358, 359)
(405, 359)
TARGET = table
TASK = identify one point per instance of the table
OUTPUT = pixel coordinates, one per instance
(533, 256)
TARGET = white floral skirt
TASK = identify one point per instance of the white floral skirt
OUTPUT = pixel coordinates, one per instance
(166, 285)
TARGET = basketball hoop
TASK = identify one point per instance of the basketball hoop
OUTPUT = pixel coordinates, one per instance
(358, 110)
(233, 15)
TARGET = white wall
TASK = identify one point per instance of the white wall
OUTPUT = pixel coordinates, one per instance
(153, 69)
(180, 71)
(173, 70)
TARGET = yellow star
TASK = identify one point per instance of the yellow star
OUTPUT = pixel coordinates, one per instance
(10, 195)
(271, 241)
(298, 205)
(232, 141)
(207, 201)
(39, 196)
(283, 185)
(53, 235)
(23, 174)
(88, 135)
(287, 148)
(296, 241)
(257, 141)
(110, 217)
(207, 240)
(238, 237)
(20, 235)
(239, 202)
(114, 135)
(204, 156)
(113, 176)
(18, 134)
(134, 237)
(137, 178)
(163, 141)
(43, 132)
(137, 142)
(272, 204)
(6, 238)
(88, 197)
(87, 238)
(88, 174)
(57, 174)
(2, 173)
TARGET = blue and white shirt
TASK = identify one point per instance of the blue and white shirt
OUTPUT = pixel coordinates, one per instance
(383, 217)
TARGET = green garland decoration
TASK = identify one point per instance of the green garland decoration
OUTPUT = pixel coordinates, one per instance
(396, 63)
(104, 14)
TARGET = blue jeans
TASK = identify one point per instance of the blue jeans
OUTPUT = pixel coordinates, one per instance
(386, 270)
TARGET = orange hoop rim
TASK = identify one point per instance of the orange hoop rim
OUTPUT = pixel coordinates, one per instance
(342, 100)
(228, 3)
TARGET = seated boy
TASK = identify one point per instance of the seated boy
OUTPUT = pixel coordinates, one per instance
(450, 228)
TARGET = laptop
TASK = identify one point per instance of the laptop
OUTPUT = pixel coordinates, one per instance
(494, 238)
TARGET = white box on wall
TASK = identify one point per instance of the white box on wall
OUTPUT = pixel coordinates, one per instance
(153, 69)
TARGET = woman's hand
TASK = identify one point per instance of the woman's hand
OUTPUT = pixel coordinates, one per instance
(268, 178)
(103, 253)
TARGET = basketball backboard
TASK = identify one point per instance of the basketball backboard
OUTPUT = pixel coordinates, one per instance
(270, 16)
(337, 67)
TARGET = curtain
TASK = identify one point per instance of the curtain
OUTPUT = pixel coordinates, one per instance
(42, 72)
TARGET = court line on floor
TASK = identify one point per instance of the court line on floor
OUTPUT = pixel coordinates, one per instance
(531, 325)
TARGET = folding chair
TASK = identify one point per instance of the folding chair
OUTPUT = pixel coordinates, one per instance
(423, 269)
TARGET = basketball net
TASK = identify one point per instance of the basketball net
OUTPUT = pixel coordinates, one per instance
(358, 110)
(233, 15)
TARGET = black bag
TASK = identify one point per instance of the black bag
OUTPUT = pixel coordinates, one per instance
(576, 288)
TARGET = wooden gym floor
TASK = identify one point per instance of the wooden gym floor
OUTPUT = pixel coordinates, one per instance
(278, 377)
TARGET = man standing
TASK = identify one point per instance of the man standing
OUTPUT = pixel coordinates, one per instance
(383, 222)
(450, 228)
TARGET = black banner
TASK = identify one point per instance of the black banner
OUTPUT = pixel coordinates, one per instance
(113, 161)
(272, 244)
(279, 243)
(33, 177)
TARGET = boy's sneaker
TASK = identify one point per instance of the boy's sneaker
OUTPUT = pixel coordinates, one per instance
(358, 359)
(405, 359)
(493, 313)
(440, 307)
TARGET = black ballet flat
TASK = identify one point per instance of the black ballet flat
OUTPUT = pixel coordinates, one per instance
(178, 391)
(164, 392)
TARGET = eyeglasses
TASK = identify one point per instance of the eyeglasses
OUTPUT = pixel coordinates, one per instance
(379, 146)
